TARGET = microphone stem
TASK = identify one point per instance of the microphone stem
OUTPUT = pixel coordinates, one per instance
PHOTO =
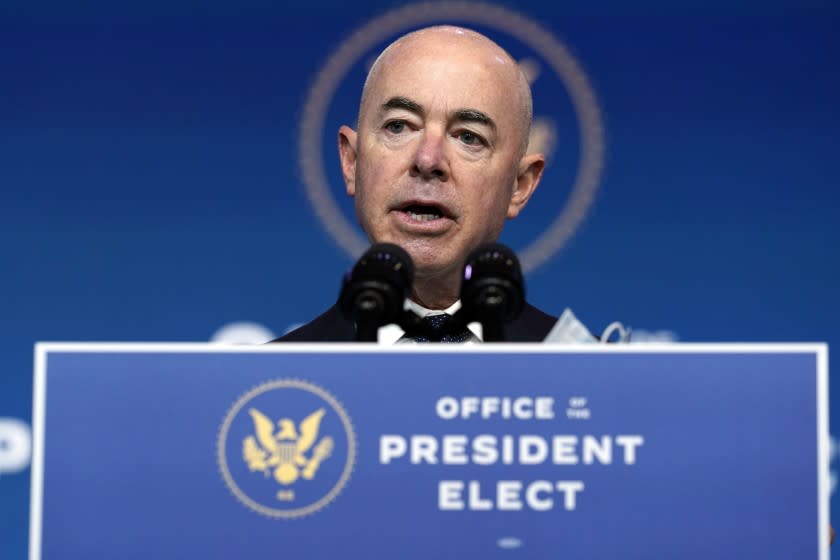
(492, 331)
(367, 332)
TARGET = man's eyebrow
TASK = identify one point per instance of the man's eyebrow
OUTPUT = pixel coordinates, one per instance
(403, 103)
(474, 115)
(460, 115)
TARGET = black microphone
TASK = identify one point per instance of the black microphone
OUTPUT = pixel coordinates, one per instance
(492, 289)
(373, 292)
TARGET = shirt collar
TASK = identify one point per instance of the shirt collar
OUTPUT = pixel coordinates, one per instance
(393, 333)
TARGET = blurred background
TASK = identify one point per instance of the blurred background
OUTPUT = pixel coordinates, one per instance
(168, 172)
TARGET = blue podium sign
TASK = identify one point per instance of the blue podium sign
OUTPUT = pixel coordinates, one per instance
(445, 452)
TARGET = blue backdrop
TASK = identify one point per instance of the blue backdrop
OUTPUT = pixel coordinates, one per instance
(151, 185)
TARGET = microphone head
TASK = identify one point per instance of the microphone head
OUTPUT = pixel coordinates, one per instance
(377, 286)
(493, 283)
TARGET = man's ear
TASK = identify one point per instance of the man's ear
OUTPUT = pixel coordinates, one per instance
(531, 168)
(347, 155)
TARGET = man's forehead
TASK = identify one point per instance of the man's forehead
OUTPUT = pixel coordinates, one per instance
(451, 77)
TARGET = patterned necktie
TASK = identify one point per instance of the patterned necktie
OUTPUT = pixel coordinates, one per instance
(440, 328)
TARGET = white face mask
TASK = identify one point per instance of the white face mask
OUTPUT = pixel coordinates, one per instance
(568, 330)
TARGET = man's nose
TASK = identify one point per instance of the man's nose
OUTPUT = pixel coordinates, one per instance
(430, 160)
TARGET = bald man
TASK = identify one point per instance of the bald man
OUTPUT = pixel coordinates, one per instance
(436, 165)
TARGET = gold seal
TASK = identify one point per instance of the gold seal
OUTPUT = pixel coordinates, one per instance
(280, 454)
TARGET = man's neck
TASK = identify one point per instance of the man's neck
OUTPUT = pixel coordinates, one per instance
(432, 298)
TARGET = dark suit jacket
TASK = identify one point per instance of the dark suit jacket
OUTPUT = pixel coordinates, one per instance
(532, 325)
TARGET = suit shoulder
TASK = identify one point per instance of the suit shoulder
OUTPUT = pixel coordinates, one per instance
(532, 325)
(329, 326)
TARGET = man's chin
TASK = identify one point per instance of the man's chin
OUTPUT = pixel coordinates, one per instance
(431, 257)
(432, 266)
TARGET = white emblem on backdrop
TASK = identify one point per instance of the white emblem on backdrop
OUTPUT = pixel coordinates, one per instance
(509, 542)
(505, 20)
(15, 445)
(243, 332)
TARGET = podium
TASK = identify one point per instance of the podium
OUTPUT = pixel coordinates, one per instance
(430, 451)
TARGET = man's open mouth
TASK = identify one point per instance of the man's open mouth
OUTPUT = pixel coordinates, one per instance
(423, 213)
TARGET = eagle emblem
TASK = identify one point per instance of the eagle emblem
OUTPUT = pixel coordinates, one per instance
(284, 451)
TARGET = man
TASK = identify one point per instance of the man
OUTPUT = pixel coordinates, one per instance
(437, 164)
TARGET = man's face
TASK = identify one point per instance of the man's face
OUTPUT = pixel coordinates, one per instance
(435, 164)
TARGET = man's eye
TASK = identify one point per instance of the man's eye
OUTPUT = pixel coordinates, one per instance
(469, 138)
(395, 127)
